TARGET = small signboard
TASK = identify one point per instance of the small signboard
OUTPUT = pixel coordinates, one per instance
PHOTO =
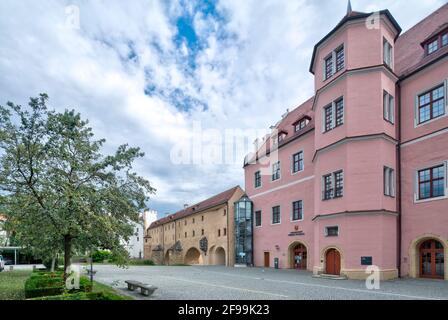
(366, 261)
(296, 233)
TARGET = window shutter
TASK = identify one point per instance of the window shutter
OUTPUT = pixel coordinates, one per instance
(446, 177)
(416, 186)
(385, 106)
(385, 181)
(323, 115)
(333, 115)
(324, 74)
(446, 95)
(392, 183)
(391, 53)
(392, 109)
(416, 112)
(333, 185)
(322, 187)
(333, 57)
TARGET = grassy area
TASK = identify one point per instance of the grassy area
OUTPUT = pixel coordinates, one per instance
(12, 284)
(12, 287)
(99, 287)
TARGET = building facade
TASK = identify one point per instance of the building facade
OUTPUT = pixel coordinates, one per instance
(198, 234)
(357, 175)
(149, 217)
(135, 244)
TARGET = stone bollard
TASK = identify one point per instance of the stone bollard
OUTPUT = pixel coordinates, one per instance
(11, 268)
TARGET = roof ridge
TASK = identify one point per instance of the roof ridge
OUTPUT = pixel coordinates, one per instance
(179, 214)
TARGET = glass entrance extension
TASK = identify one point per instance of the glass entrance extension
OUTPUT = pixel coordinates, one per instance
(244, 232)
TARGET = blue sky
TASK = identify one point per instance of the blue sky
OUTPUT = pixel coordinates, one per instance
(144, 71)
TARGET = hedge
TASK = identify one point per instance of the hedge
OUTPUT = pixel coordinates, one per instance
(41, 284)
(83, 296)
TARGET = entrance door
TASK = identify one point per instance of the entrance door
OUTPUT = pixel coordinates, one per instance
(300, 257)
(267, 260)
(432, 260)
(333, 262)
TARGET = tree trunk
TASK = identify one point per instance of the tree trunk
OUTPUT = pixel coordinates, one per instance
(53, 262)
(67, 253)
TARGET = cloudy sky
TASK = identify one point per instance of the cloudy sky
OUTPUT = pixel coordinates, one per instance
(147, 72)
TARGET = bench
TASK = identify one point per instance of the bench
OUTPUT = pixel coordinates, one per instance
(144, 289)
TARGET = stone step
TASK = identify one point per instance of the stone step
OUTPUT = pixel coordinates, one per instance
(330, 276)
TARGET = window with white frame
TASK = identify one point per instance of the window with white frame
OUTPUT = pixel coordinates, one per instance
(332, 231)
(258, 218)
(389, 181)
(297, 210)
(431, 104)
(431, 182)
(276, 171)
(334, 62)
(389, 107)
(297, 162)
(276, 215)
(301, 124)
(333, 185)
(387, 53)
(257, 178)
(333, 115)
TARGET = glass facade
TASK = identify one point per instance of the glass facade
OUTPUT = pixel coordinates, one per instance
(244, 232)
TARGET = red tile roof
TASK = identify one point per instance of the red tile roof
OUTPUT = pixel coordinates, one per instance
(214, 201)
(287, 125)
(409, 54)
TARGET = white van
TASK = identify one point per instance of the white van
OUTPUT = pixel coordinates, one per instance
(2, 263)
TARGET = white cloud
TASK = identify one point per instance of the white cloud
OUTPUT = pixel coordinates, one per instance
(253, 64)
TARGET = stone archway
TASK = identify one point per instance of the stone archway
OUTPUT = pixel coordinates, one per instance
(219, 257)
(323, 258)
(167, 258)
(414, 254)
(193, 257)
(302, 255)
(211, 252)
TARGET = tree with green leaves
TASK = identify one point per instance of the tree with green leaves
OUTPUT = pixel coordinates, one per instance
(58, 191)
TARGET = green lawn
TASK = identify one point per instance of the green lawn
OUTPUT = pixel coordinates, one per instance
(12, 284)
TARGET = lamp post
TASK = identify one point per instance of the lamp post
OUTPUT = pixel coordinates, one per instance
(91, 267)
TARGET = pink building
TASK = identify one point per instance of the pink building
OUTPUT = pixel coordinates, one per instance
(357, 175)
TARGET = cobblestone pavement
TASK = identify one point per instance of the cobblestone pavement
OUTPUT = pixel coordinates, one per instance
(221, 283)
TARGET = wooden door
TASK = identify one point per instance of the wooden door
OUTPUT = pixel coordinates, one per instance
(432, 258)
(333, 262)
(267, 260)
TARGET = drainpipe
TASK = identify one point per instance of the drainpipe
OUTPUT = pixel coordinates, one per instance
(227, 235)
(399, 227)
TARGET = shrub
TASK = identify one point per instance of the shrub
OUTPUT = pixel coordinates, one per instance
(84, 296)
(137, 262)
(40, 285)
(101, 255)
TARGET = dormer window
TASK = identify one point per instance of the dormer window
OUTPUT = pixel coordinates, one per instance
(301, 124)
(437, 42)
(280, 137)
